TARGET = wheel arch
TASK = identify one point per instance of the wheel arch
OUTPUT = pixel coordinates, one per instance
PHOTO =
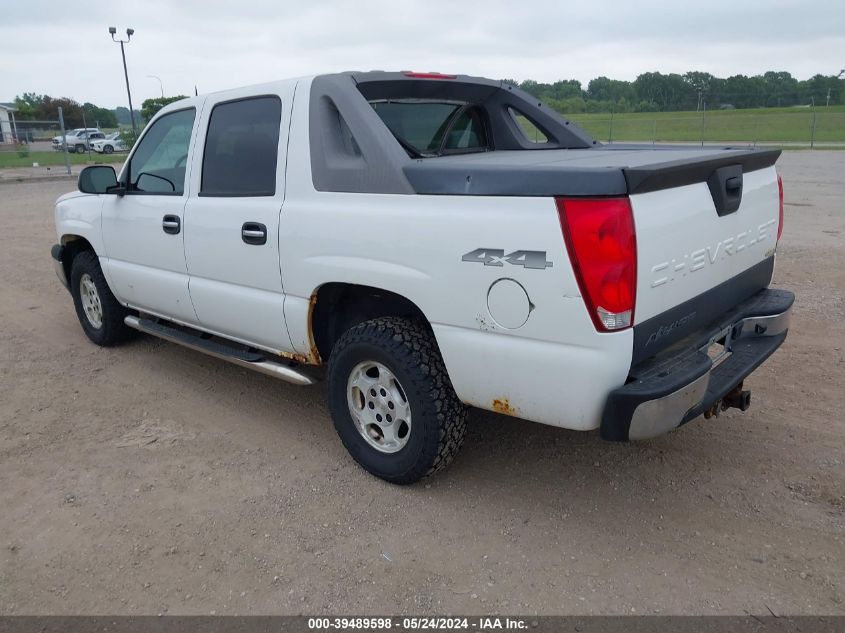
(73, 245)
(337, 306)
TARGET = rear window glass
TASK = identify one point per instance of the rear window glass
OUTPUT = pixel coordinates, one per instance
(431, 128)
(466, 133)
(421, 124)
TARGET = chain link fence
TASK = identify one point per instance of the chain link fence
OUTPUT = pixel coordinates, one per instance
(813, 129)
(31, 143)
(49, 144)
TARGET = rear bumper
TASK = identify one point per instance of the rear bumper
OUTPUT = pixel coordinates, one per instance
(56, 253)
(682, 382)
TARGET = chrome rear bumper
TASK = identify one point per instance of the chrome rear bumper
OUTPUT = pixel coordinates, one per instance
(679, 385)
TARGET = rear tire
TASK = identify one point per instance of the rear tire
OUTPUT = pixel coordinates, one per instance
(392, 402)
(99, 313)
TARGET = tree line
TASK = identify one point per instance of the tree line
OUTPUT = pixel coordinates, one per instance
(35, 107)
(658, 92)
(649, 92)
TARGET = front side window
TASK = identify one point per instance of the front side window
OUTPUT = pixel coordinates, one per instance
(158, 165)
(242, 148)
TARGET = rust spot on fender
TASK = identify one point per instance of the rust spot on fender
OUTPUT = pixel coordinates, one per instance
(503, 405)
(314, 356)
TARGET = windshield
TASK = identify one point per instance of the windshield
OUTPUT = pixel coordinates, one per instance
(431, 128)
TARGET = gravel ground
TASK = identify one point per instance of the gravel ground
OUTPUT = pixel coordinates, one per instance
(152, 479)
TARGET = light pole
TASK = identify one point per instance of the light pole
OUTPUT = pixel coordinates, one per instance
(129, 33)
(160, 85)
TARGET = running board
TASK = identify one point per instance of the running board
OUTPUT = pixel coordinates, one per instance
(243, 358)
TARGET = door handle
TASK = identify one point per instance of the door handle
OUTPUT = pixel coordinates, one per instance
(254, 233)
(171, 224)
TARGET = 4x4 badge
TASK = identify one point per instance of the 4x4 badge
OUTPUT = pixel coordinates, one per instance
(497, 257)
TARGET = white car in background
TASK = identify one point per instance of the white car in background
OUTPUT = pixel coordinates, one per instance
(112, 143)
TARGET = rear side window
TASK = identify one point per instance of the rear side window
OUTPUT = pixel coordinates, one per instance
(530, 130)
(242, 148)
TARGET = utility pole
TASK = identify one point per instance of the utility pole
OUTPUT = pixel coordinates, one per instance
(129, 33)
(813, 128)
(64, 139)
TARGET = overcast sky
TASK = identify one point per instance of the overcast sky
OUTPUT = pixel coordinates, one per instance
(64, 49)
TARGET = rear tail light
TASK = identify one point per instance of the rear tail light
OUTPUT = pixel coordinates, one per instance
(600, 238)
(780, 207)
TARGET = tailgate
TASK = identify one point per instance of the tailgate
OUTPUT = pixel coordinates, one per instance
(706, 236)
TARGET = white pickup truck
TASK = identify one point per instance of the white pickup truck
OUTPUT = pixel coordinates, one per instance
(78, 140)
(401, 236)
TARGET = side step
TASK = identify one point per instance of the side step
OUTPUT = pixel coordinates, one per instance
(241, 357)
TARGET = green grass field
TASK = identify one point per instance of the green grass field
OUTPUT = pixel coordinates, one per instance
(52, 158)
(764, 125)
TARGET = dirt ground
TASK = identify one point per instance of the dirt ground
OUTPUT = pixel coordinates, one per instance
(152, 479)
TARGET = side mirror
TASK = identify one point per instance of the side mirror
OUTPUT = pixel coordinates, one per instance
(97, 179)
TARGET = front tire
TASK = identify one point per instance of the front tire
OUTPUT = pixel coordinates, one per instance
(107, 149)
(392, 402)
(99, 313)
(80, 149)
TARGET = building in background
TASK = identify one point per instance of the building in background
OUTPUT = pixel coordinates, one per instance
(8, 128)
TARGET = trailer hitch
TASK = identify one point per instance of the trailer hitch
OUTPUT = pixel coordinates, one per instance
(737, 398)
